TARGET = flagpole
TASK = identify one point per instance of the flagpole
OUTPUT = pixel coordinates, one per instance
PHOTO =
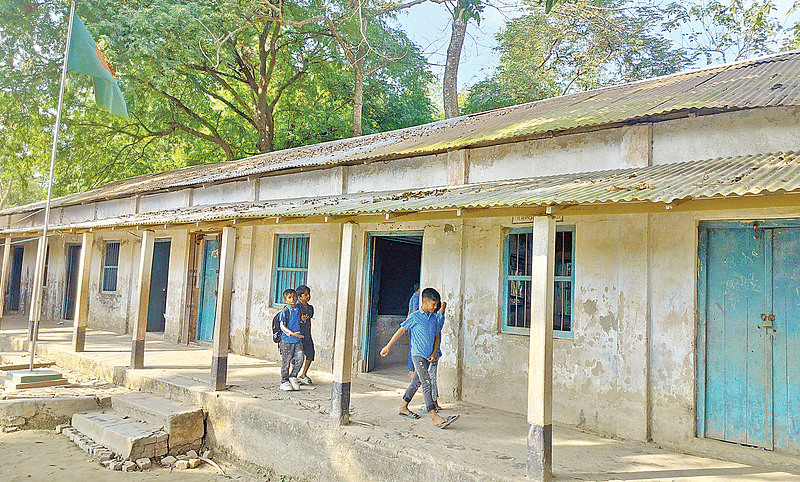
(37, 296)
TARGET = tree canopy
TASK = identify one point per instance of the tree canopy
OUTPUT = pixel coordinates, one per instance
(215, 80)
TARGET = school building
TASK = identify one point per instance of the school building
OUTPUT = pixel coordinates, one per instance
(624, 260)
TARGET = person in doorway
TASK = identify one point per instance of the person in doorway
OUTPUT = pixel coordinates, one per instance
(422, 327)
(413, 305)
(306, 313)
(290, 346)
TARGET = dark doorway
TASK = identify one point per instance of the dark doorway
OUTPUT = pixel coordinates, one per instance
(71, 290)
(15, 279)
(393, 270)
(159, 277)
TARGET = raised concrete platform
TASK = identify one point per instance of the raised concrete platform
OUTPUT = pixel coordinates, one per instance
(185, 425)
(44, 413)
(129, 439)
(36, 378)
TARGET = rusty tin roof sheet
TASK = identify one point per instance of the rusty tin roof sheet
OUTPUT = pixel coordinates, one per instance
(764, 82)
(715, 178)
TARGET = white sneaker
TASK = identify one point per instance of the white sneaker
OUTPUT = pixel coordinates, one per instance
(295, 384)
(286, 386)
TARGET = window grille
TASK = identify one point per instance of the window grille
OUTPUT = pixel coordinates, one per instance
(291, 264)
(110, 267)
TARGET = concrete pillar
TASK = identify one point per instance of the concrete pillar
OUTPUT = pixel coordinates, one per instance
(82, 296)
(143, 299)
(222, 319)
(345, 319)
(540, 363)
(4, 274)
(36, 293)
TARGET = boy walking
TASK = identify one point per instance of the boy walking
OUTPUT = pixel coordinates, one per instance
(423, 328)
(291, 346)
(306, 313)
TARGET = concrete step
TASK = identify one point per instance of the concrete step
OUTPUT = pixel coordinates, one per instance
(185, 425)
(130, 439)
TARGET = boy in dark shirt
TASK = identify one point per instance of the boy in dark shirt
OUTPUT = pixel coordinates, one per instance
(306, 314)
(291, 346)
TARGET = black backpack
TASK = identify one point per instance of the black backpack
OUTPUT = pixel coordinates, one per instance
(276, 325)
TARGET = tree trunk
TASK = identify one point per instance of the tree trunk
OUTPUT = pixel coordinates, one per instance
(450, 80)
(358, 94)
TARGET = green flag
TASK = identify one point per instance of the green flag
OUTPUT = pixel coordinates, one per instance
(86, 58)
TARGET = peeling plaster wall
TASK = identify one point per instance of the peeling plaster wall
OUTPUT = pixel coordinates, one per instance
(415, 173)
(253, 332)
(226, 192)
(165, 200)
(323, 182)
(543, 157)
(757, 131)
(111, 311)
(600, 375)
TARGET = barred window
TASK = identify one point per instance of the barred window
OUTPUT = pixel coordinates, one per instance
(291, 264)
(517, 280)
(110, 267)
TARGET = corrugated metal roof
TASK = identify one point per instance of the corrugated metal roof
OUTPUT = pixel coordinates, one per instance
(723, 177)
(764, 82)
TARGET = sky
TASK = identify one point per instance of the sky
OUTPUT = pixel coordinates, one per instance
(428, 25)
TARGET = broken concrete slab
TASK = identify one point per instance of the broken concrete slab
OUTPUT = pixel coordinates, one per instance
(185, 425)
(129, 439)
(43, 413)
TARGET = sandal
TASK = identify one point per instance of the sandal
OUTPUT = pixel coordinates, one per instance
(409, 415)
(448, 421)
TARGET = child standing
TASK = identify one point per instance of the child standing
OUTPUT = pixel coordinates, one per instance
(422, 327)
(291, 346)
(306, 313)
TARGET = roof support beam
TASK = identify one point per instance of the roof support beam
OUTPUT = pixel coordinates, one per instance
(345, 319)
(143, 299)
(222, 319)
(540, 358)
(82, 295)
(4, 273)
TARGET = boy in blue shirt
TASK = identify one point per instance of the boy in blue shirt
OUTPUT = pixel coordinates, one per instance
(291, 346)
(423, 330)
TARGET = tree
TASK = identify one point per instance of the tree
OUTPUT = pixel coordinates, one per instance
(726, 32)
(578, 46)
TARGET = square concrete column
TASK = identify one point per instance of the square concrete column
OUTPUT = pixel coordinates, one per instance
(36, 291)
(82, 296)
(345, 318)
(143, 299)
(540, 363)
(6, 262)
(222, 320)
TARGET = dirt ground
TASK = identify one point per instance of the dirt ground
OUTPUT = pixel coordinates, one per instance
(43, 455)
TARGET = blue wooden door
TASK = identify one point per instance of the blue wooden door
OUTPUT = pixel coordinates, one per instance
(750, 278)
(15, 279)
(786, 334)
(207, 299)
(71, 288)
(158, 287)
(737, 393)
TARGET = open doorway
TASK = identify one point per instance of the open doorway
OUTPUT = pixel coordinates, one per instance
(393, 268)
(71, 289)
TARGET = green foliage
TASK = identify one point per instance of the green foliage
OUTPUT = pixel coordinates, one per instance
(576, 47)
(205, 81)
(726, 32)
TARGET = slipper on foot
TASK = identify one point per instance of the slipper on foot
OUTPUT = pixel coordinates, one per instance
(409, 415)
(448, 421)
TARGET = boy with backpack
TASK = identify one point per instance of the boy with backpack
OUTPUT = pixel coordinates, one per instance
(290, 343)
